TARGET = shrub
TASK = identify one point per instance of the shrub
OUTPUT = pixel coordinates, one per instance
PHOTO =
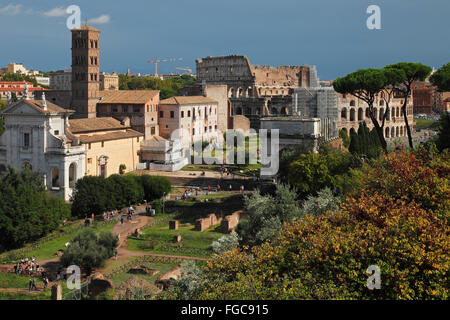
(89, 251)
(266, 214)
(323, 202)
(226, 243)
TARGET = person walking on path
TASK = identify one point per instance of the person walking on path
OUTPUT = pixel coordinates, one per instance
(30, 285)
(115, 254)
(34, 285)
(121, 219)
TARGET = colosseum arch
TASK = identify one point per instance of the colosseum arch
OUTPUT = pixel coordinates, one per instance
(360, 114)
(239, 92)
(352, 103)
(398, 112)
(386, 134)
(397, 131)
(231, 93)
(367, 113)
(381, 115)
(352, 114)
(392, 132)
(344, 113)
(401, 131)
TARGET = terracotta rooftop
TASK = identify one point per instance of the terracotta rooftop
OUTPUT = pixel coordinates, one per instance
(51, 107)
(129, 133)
(95, 124)
(127, 96)
(187, 100)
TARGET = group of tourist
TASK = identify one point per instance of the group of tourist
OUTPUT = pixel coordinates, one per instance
(27, 267)
(109, 215)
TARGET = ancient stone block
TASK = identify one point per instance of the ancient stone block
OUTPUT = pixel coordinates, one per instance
(173, 225)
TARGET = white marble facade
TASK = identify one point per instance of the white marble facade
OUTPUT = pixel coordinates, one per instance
(35, 135)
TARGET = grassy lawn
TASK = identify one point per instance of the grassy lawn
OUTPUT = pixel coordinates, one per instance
(46, 295)
(10, 280)
(159, 239)
(48, 249)
(215, 196)
(426, 124)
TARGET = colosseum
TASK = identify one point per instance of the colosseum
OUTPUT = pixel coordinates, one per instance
(353, 111)
(254, 90)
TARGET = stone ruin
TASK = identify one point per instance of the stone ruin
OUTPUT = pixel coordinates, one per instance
(173, 225)
(205, 223)
(230, 222)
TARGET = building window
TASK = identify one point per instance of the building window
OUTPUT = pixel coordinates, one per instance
(193, 131)
(56, 132)
(89, 146)
(89, 160)
(182, 114)
(26, 140)
(172, 114)
(136, 109)
(125, 109)
(189, 113)
(161, 114)
(114, 109)
(206, 129)
(137, 139)
(103, 144)
(167, 127)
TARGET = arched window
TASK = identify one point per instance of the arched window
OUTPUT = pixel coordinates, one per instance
(344, 113)
(352, 114)
(381, 114)
(386, 135)
(360, 114)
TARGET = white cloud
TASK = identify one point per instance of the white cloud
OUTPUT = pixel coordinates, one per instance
(11, 10)
(100, 20)
(56, 12)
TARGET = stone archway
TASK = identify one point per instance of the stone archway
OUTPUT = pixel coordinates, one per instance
(352, 114)
(360, 114)
(344, 113)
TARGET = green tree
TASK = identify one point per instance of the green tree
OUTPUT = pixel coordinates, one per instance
(345, 138)
(27, 211)
(365, 84)
(365, 142)
(89, 251)
(267, 214)
(441, 78)
(443, 138)
(90, 196)
(155, 186)
(412, 72)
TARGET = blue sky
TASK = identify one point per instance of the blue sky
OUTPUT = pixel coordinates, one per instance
(330, 34)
